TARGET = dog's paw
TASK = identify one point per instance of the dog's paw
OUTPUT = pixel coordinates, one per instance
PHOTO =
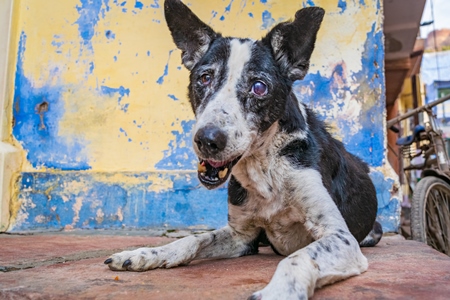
(141, 259)
(288, 282)
(285, 292)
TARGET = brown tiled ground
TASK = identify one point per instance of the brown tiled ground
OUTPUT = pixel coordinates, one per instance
(25, 251)
(71, 267)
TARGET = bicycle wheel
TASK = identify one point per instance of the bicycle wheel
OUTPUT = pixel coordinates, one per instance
(430, 213)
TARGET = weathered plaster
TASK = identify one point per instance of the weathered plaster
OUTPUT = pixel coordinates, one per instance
(10, 156)
(94, 200)
(102, 117)
(111, 77)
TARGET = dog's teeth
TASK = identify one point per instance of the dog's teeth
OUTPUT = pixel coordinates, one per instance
(223, 173)
(201, 168)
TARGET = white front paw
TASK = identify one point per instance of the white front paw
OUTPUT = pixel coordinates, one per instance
(287, 290)
(292, 280)
(141, 259)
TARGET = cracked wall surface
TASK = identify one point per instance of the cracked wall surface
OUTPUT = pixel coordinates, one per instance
(103, 124)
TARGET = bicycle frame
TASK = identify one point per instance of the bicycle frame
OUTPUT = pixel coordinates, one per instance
(430, 143)
(430, 205)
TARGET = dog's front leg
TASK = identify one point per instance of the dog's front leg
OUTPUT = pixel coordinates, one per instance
(220, 243)
(334, 255)
(330, 259)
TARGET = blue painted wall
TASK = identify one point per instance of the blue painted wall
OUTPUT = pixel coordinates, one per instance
(56, 202)
(101, 115)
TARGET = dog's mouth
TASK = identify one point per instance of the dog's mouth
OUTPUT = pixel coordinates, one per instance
(213, 173)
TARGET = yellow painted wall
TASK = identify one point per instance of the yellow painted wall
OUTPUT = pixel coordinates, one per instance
(114, 140)
(101, 118)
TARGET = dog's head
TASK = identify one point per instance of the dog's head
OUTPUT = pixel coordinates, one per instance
(238, 87)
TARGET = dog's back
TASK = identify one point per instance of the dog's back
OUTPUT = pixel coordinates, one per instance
(346, 178)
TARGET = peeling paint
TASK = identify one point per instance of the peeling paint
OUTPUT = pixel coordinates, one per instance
(173, 97)
(155, 4)
(389, 197)
(121, 91)
(267, 20)
(95, 203)
(358, 104)
(38, 133)
(138, 4)
(89, 12)
(166, 70)
(180, 155)
(342, 4)
(102, 118)
(76, 210)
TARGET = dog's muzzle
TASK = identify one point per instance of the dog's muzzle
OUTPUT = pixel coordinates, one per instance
(211, 141)
(212, 174)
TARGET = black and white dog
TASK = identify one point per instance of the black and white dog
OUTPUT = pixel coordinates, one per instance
(292, 185)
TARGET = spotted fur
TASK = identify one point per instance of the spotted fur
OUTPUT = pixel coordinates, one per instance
(292, 185)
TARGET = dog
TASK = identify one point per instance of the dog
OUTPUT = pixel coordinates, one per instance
(291, 184)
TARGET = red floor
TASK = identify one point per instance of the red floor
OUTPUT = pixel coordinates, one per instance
(70, 266)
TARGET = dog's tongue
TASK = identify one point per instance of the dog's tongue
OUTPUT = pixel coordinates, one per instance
(216, 164)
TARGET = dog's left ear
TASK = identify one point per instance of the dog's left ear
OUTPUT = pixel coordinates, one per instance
(189, 33)
(292, 43)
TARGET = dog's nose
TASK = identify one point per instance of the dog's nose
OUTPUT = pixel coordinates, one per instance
(210, 139)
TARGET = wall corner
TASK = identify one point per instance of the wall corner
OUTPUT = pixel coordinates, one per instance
(10, 161)
(10, 156)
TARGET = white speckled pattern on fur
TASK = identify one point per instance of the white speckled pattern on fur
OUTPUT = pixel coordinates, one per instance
(287, 200)
(224, 110)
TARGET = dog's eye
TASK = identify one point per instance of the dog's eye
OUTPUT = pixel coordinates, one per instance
(206, 79)
(259, 88)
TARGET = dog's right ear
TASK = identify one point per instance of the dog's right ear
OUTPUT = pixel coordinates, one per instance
(191, 35)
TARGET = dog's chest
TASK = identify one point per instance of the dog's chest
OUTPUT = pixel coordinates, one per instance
(259, 176)
(269, 204)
